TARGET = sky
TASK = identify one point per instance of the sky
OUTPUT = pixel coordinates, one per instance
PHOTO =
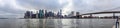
(17, 8)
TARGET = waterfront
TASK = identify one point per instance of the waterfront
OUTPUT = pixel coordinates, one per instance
(57, 23)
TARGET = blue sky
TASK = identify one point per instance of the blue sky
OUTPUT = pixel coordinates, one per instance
(17, 8)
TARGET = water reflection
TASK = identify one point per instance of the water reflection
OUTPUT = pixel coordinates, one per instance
(57, 23)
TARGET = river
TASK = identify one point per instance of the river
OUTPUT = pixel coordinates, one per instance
(57, 23)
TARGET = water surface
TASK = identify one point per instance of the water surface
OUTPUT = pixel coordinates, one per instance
(57, 23)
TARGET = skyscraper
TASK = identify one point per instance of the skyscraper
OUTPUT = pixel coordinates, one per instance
(50, 14)
(59, 14)
(41, 13)
(45, 14)
(37, 14)
(28, 14)
(77, 15)
(33, 16)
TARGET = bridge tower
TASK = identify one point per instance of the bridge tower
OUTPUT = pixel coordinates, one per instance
(91, 15)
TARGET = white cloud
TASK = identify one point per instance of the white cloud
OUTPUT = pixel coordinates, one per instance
(83, 6)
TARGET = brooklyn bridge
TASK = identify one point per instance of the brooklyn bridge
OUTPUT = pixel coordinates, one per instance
(113, 11)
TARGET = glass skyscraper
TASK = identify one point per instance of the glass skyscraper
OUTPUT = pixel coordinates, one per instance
(41, 13)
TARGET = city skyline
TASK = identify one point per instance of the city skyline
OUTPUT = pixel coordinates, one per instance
(17, 8)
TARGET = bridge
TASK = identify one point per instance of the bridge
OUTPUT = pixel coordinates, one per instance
(91, 14)
(104, 12)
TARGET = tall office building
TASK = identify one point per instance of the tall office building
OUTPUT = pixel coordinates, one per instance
(41, 13)
(50, 14)
(45, 14)
(72, 13)
(45, 11)
(28, 14)
(33, 16)
(78, 15)
(37, 14)
(59, 14)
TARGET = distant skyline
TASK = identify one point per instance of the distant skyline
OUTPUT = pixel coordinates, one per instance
(17, 8)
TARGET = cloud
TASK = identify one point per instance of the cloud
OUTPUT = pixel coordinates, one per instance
(40, 4)
(10, 9)
(18, 7)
